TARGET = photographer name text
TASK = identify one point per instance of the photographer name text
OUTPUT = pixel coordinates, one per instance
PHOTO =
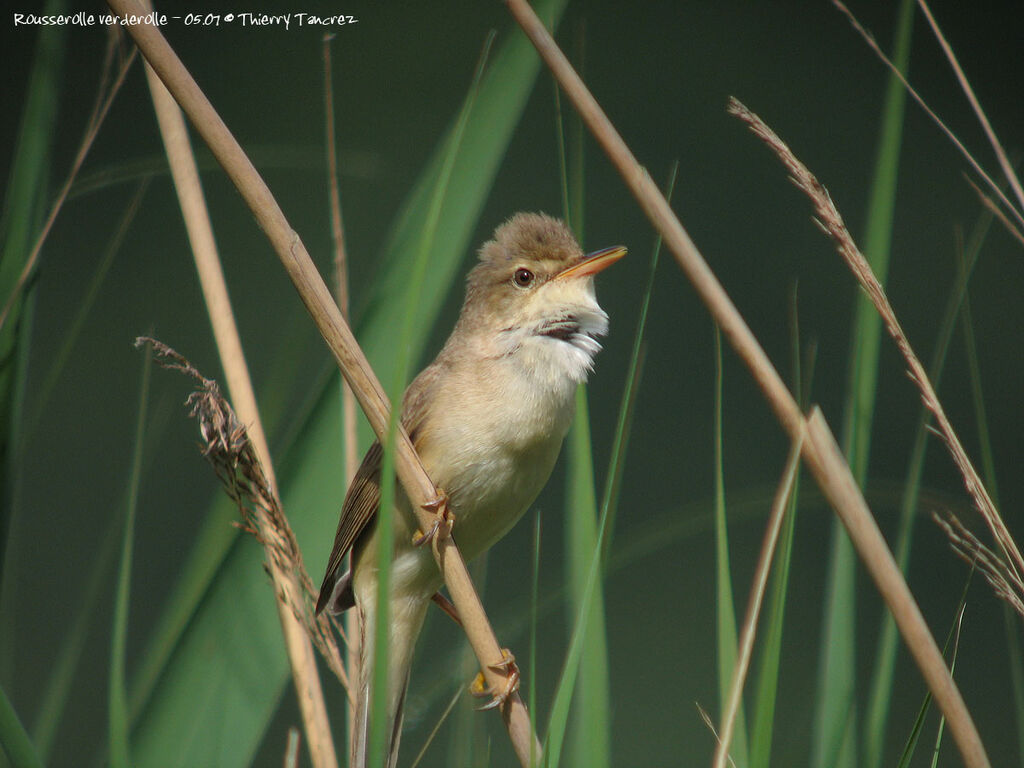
(154, 19)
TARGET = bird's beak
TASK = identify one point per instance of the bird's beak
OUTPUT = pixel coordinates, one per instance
(593, 263)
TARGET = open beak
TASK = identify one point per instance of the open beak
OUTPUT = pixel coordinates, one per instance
(593, 263)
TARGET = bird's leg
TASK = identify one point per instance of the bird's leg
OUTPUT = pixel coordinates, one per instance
(443, 520)
(446, 605)
(481, 690)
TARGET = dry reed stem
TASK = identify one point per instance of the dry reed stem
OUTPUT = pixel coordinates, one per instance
(348, 400)
(996, 211)
(287, 587)
(965, 86)
(229, 448)
(764, 565)
(350, 358)
(1005, 582)
(104, 98)
(870, 40)
(820, 451)
(830, 221)
(709, 723)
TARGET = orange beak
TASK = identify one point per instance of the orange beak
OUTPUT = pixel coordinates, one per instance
(593, 262)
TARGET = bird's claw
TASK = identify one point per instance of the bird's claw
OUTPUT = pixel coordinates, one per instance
(481, 690)
(443, 520)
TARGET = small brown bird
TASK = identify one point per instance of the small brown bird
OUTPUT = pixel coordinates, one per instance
(487, 418)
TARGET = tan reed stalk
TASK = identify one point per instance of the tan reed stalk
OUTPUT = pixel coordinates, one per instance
(230, 450)
(350, 358)
(965, 86)
(1004, 581)
(831, 222)
(820, 451)
(993, 206)
(1015, 229)
(348, 402)
(288, 589)
(756, 599)
(710, 724)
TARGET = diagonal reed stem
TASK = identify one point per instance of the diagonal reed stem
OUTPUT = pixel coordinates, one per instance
(831, 222)
(819, 448)
(348, 400)
(764, 565)
(351, 360)
(287, 589)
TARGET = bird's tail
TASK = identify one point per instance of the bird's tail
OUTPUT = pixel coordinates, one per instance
(405, 623)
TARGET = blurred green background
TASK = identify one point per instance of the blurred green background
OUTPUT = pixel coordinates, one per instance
(662, 71)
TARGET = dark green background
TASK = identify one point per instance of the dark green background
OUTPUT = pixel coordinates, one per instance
(663, 72)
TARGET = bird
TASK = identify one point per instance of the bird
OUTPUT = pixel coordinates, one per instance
(487, 418)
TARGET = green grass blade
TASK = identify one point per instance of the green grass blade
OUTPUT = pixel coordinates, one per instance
(215, 669)
(563, 692)
(502, 97)
(14, 740)
(766, 685)
(834, 743)
(468, 731)
(381, 630)
(952, 671)
(379, 725)
(877, 243)
(119, 720)
(563, 166)
(558, 718)
(61, 678)
(620, 441)
(888, 640)
(726, 612)
(1010, 618)
(591, 717)
(915, 733)
(212, 544)
(26, 186)
(60, 683)
(835, 718)
(74, 330)
(24, 196)
(531, 673)
(988, 463)
(592, 714)
(437, 727)
(954, 632)
(1016, 656)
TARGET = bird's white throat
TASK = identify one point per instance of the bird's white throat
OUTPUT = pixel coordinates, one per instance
(556, 335)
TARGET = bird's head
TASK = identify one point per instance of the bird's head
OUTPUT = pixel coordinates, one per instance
(532, 292)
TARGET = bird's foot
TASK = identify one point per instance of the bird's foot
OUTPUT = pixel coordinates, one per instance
(481, 690)
(443, 520)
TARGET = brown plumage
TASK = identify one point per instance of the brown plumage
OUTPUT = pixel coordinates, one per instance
(363, 497)
(487, 419)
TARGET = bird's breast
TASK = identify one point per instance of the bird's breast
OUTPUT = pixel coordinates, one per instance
(492, 447)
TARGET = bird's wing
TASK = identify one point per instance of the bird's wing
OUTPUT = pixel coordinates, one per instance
(363, 497)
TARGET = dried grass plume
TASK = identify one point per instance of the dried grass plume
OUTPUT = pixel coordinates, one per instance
(827, 217)
(226, 445)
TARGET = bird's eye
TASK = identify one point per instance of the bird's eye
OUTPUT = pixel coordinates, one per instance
(522, 277)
